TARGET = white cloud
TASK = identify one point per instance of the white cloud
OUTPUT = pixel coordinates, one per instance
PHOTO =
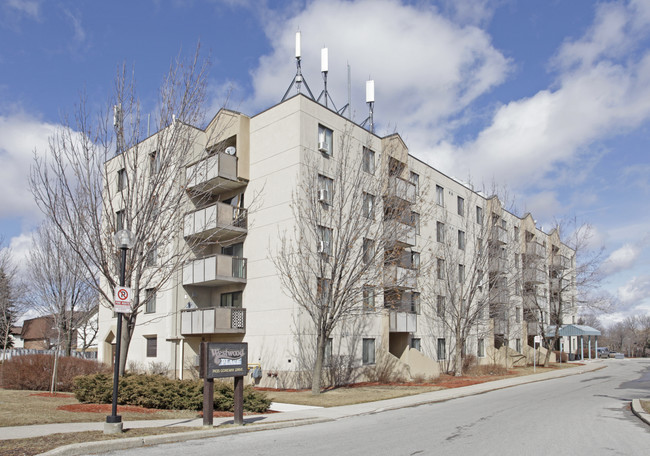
(634, 293)
(75, 19)
(20, 135)
(20, 247)
(29, 8)
(622, 258)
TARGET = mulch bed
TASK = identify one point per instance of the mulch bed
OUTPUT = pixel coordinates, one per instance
(52, 395)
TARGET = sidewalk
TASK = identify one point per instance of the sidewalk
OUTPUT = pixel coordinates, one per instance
(291, 416)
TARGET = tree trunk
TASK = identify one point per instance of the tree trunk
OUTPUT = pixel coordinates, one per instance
(318, 365)
(127, 333)
(458, 361)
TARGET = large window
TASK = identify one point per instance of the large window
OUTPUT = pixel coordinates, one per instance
(368, 205)
(325, 140)
(440, 195)
(368, 161)
(441, 349)
(150, 296)
(233, 299)
(440, 232)
(368, 356)
(152, 346)
(461, 206)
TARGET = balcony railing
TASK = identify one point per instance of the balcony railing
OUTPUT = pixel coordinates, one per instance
(213, 320)
(534, 275)
(499, 234)
(212, 172)
(219, 220)
(499, 296)
(402, 321)
(535, 249)
(499, 265)
(398, 276)
(215, 270)
(561, 262)
(399, 232)
(559, 284)
(402, 189)
(500, 326)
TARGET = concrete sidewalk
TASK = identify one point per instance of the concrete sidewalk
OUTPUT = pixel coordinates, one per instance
(292, 416)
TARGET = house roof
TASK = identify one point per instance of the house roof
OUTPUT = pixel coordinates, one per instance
(38, 328)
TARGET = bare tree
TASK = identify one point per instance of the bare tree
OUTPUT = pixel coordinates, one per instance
(11, 292)
(101, 175)
(344, 240)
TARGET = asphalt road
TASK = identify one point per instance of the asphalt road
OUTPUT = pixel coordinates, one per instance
(575, 415)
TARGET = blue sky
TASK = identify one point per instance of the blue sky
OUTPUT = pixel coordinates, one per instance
(551, 98)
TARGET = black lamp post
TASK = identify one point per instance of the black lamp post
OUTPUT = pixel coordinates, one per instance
(124, 240)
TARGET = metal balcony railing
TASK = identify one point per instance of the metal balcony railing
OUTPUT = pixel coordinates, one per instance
(211, 171)
(402, 189)
(213, 320)
(215, 270)
(220, 220)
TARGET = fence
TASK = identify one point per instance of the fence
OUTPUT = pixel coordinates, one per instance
(10, 353)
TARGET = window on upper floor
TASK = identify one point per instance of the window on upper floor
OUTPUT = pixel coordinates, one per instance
(368, 205)
(440, 268)
(415, 180)
(440, 232)
(461, 239)
(325, 140)
(150, 296)
(121, 179)
(368, 298)
(415, 221)
(440, 195)
(120, 220)
(440, 306)
(461, 273)
(325, 240)
(460, 203)
(325, 189)
(415, 302)
(323, 289)
(479, 215)
(368, 250)
(368, 160)
(154, 162)
(233, 299)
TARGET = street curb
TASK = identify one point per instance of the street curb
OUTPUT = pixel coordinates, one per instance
(638, 411)
(138, 442)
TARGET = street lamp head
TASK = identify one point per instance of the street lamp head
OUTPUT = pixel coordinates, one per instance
(124, 239)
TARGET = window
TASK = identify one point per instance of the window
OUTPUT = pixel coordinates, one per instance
(481, 348)
(152, 346)
(440, 306)
(368, 356)
(441, 349)
(415, 221)
(323, 290)
(120, 220)
(152, 254)
(415, 302)
(415, 180)
(327, 359)
(325, 189)
(416, 344)
(395, 167)
(461, 206)
(440, 232)
(368, 298)
(516, 260)
(325, 240)
(440, 268)
(479, 246)
(368, 250)
(479, 215)
(233, 299)
(325, 140)
(368, 161)
(154, 162)
(461, 273)
(516, 233)
(518, 287)
(368, 205)
(150, 296)
(415, 260)
(518, 345)
(121, 179)
(517, 315)
(440, 195)
(461, 240)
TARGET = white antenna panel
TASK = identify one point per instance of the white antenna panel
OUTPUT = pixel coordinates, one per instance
(323, 60)
(297, 45)
(370, 91)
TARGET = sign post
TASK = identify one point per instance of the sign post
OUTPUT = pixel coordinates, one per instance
(536, 340)
(219, 360)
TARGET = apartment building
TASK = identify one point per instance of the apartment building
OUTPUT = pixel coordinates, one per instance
(454, 253)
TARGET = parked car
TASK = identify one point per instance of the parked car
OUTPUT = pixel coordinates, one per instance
(603, 352)
(612, 354)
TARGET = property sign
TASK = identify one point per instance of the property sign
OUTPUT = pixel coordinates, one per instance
(538, 340)
(123, 300)
(224, 360)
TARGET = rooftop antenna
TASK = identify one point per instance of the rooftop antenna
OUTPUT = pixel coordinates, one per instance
(298, 79)
(370, 100)
(118, 125)
(323, 70)
(349, 105)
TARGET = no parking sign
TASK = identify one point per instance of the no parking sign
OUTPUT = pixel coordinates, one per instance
(123, 300)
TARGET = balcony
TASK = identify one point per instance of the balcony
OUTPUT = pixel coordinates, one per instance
(534, 275)
(402, 321)
(213, 320)
(559, 284)
(499, 296)
(400, 276)
(535, 249)
(215, 270)
(500, 325)
(213, 174)
(401, 189)
(561, 262)
(397, 232)
(218, 222)
(499, 234)
(498, 265)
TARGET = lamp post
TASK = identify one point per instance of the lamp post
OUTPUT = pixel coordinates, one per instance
(124, 240)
